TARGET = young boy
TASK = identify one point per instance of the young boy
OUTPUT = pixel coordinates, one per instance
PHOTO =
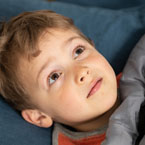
(51, 72)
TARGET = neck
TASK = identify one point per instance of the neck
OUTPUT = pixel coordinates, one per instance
(98, 122)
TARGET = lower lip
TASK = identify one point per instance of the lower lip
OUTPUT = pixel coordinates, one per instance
(96, 87)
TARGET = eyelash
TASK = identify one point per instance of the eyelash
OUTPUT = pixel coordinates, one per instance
(54, 72)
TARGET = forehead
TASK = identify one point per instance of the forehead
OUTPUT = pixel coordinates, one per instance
(55, 35)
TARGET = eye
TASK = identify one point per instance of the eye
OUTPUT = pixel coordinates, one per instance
(78, 51)
(53, 77)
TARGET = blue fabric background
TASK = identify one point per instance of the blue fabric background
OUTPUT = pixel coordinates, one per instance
(115, 32)
(112, 4)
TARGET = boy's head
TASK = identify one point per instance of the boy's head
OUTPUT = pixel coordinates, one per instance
(51, 72)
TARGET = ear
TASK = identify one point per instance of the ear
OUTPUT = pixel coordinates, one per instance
(37, 118)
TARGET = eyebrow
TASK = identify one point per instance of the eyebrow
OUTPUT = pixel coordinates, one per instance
(48, 61)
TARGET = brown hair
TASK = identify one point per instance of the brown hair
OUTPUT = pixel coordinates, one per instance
(19, 37)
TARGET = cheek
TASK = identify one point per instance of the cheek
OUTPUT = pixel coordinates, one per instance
(106, 68)
(70, 100)
(71, 104)
(104, 63)
(101, 64)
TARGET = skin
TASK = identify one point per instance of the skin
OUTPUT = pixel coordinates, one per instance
(61, 89)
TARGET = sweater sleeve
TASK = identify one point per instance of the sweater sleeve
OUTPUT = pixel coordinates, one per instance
(123, 123)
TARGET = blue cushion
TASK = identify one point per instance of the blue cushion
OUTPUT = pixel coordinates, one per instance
(113, 4)
(15, 131)
(115, 32)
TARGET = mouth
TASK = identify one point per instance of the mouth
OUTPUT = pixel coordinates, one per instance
(95, 87)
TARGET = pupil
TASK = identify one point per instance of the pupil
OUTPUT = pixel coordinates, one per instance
(55, 76)
(79, 51)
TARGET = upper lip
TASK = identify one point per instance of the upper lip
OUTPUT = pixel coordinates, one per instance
(93, 83)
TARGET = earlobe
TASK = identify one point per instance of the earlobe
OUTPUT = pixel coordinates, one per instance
(37, 118)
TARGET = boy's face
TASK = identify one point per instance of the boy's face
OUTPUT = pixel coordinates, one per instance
(69, 81)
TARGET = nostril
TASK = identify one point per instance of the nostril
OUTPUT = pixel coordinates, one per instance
(82, 79)
(88, 72)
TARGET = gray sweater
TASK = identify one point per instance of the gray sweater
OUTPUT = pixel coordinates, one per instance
(123, 123)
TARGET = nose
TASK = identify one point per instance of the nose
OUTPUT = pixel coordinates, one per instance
(82, 75)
